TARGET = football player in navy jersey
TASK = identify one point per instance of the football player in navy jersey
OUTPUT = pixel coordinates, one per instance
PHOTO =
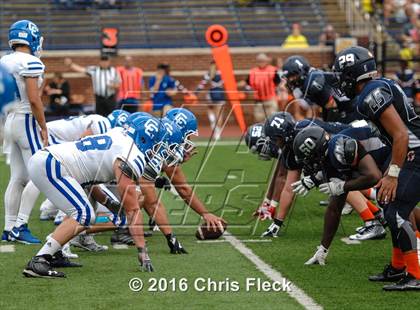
(314, 86)
(383, 102)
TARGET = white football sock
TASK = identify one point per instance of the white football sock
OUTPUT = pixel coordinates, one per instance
(50, 247)
(212, 119)
(29, 196)
(12, 202)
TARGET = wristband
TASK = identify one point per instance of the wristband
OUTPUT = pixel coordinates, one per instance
(394, 171)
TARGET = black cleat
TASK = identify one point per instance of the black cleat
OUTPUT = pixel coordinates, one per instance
(407, 283)
(39, 267)
(60, 261)
(389, 274)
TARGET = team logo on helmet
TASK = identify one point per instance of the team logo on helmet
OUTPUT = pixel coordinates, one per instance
(151, 127)
(181, 119)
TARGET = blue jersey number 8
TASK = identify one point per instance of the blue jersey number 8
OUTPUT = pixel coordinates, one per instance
(99, 143)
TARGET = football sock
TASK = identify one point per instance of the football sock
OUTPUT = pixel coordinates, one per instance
(12, 202)
(398, 261)
(29, 196)
(412, 263)
(50, 247)
(367, 215)
(212, 119)
(278, 222)
(372, 207)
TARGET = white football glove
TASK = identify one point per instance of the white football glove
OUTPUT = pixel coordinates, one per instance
(303, 186)
(319, 257)
(333, 188)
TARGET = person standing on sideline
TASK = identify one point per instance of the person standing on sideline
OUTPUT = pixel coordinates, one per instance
(59, 92)
(216, 98)
(105, 80)
(263, 80)
(162, 88)
(25, 129)
(131, 77)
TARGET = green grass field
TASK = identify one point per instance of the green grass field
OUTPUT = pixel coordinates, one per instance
(232, 183)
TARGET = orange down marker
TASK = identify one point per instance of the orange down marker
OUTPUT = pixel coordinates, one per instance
(217, 36)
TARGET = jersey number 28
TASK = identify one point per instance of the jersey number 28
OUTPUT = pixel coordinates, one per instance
(99, 143)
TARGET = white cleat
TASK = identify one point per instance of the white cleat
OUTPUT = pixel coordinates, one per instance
(59, 217)
(48, 211)
(67, 252)
(347, 209)
(86, 242)
(371, 231)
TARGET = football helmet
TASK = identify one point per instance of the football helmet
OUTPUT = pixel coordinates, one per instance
(150, 136)
(174, 153)
(311, 146)
(259, 144)
(118, 118)
(187, 123)
(134, 115)
(295, 70)
(352, 65)
(27, 33)
(280, 125)
(7, 88)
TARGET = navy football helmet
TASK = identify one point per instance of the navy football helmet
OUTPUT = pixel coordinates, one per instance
(311, 146)
(280, 125)
(295, 70)
(259, 144)
(352, 65)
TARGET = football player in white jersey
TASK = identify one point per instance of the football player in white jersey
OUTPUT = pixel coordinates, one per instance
(60, 171)
(25, 129)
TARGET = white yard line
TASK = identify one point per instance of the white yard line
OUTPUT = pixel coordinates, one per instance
(295, 292)
(346, 240)
(8, 248)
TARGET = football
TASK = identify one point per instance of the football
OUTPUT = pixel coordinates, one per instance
(204, 233)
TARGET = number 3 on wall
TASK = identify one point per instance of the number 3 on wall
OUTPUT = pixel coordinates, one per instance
(109, 37)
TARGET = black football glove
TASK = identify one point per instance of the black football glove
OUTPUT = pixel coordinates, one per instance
(163, 182)
(144, 260)
(174, 245)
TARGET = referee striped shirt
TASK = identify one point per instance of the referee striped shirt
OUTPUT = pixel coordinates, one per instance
(101, 80)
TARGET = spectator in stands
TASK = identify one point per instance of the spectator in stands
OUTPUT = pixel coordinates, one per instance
(131, 85)
(296, 39)
(162, 88)
(105, 80)
(406, 79)
(59, 92)
(328, 36)
(263, 80)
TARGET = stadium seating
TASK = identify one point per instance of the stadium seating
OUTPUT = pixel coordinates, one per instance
(168, 23)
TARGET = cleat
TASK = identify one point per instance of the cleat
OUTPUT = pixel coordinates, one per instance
(59, 218)
(39, 267)
(371, 231)
(406, 283)
(86, 242)
(5, 236)
(389, 274)
(348, 209)
(23, 235)
(60, 261)
(122, 236)
(48, 211)
(67, 252)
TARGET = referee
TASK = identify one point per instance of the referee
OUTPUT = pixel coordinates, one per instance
(105, 81)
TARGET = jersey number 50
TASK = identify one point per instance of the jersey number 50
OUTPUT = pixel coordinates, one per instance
(99, 143)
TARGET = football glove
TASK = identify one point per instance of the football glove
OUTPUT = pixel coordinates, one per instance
(303, 186)
(333, 188)
(144, 260)
(319, 257)
(174, 245)
(163, 182)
